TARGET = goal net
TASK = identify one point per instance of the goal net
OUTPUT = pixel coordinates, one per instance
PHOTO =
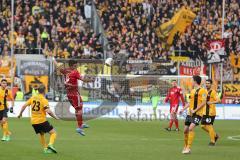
(110, 90)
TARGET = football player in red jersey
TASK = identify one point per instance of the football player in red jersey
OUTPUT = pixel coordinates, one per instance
(72, 76)
(173, 96)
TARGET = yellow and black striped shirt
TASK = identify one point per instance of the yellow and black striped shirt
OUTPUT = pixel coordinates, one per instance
(197, 97)
(210, 110)
(5, 94)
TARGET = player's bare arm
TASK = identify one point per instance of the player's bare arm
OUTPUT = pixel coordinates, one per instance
(57, 65)
(184, 108)
(182, 99)
(214, 102)
(51, 113)
(12, 103)
(22, 110)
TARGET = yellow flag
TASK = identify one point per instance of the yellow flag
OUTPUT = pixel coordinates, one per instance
(178, 23)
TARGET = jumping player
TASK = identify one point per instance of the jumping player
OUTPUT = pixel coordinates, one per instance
(72, 76)
(173, 96)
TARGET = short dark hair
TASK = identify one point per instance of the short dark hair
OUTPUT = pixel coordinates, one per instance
(209, 80)
(197, 79)
(72, 62)
(41, 89)
(3, 80)
(174, 80)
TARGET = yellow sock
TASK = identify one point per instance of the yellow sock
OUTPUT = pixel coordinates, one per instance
(212, 133)
(190, 138)
(185, 140)
(43, 141)
(5, 129)
(205, 128)
(52, 138)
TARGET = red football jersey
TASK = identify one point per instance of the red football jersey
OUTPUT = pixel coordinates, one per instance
(173, 96)
(71, 80)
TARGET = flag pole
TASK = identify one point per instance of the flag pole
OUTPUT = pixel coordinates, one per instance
(12, 72)
(223, 18)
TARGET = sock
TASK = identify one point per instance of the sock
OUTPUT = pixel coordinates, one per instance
(52, 138)
(205, 128)
(176, 123)
(185, 140)
(170, 123)
(5, 129)
(212, 133)
(79, 118)
(43, 141)
(190, 138)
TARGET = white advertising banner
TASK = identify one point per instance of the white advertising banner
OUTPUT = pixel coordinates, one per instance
(137, 112)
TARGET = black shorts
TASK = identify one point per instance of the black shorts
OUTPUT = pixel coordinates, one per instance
(207, 120)
(193, 119)
(3, 113)
(44, 127)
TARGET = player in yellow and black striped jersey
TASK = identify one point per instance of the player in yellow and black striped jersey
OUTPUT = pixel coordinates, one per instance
(195, 113)
(5, 94)
(39, 108)
(209, 113)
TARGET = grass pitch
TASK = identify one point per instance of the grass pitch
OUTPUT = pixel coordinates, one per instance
(119, 140)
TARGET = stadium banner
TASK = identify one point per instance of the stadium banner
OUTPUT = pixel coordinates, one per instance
(32, 81)
(192, 67)
(230, 100)
(148, 67)
(232, 112)
(34, 68)
(235, 60)
(178, 24)
(231, 90)
(138, 112)
(216, 51)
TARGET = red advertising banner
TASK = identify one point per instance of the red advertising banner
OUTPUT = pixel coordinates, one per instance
(191, 68)
(190, 71)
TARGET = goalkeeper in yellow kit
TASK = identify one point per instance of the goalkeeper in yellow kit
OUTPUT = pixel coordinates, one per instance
(39, 108)
(209, 113)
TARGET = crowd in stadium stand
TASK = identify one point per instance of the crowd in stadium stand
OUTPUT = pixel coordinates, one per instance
(48, 24)
(131, 27)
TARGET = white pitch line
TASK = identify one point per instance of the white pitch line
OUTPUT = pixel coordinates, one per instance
(234, 138)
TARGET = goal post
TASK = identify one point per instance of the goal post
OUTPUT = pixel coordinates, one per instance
(128, 88)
